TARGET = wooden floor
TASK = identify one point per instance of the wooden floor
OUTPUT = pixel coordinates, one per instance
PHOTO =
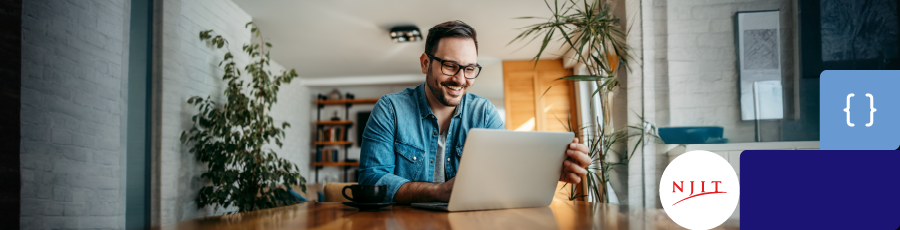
(328, 215)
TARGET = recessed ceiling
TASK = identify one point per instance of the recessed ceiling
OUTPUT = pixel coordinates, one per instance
(349, 38)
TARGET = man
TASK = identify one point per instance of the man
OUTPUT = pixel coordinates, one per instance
(414, 138)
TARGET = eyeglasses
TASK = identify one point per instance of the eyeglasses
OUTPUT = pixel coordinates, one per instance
(451, 68)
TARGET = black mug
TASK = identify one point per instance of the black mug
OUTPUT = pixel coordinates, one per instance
(366, 193)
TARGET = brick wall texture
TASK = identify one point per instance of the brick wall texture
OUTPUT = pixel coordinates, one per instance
(73, 66)
(696, 65)
(74, 63)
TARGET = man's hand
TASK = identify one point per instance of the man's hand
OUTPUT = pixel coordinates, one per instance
(576, 161)
(444, 190)
(412, 192)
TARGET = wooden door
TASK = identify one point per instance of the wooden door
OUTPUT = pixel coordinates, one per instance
(529, 104)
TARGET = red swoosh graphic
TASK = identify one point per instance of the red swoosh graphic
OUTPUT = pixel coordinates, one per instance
(699, 194)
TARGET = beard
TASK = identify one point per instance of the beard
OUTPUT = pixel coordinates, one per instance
(438, 90)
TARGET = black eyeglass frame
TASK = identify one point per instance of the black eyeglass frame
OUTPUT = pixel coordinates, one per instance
(441, 61)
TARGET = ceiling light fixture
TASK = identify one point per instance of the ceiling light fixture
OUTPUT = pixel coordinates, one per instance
(405, 34)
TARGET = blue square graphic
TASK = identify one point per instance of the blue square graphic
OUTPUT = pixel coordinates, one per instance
(864, 129)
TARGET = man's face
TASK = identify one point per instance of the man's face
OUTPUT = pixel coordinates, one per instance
(444, 89)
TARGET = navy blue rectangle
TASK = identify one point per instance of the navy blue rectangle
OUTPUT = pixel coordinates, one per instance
(820, 189)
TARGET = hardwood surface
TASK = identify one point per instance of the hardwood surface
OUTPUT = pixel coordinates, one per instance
(333, 215)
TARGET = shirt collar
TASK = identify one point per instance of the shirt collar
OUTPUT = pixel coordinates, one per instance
(425, 108)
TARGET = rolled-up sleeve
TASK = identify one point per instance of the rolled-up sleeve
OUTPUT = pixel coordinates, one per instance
(377, 161)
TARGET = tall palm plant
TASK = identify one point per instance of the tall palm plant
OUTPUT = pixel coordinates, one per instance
(595, 38)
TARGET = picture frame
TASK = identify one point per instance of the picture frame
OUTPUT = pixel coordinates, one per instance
(758, 42)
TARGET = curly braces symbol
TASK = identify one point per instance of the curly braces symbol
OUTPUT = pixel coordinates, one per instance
(847, 110)
(871, 110)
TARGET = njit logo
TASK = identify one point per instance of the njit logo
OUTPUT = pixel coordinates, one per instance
(702, 189)
(699, 190)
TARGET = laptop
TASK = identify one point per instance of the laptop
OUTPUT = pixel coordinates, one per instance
(502, 169)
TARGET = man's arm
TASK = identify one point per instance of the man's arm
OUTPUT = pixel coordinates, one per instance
(412, 192)
(377, 159)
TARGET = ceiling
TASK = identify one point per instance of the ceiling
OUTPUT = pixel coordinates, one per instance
(349, 38)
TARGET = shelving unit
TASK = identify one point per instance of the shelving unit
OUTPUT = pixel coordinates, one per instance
(320, 143)
(346, 123)
(341, 122)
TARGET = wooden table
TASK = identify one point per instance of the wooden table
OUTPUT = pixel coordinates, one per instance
(333, 215)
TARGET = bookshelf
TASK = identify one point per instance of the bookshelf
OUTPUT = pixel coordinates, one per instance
(340, 122)
(333, 143)
(333, 133)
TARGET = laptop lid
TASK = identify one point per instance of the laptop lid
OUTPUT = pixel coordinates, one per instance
(507, 169)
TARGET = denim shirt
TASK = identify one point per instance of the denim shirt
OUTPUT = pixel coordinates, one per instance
(401, 136)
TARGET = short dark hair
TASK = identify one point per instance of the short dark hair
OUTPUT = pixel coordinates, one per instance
(454, 28)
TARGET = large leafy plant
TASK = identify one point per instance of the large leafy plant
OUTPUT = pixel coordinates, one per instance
(229, 138)
(593, 36)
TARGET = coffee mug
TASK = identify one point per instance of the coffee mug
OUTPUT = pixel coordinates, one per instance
(366, 193)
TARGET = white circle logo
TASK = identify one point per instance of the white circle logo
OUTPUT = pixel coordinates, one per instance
(699, 190)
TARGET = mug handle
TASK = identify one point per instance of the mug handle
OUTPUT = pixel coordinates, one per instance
(344, 192)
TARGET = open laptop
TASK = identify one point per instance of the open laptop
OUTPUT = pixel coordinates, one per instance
(503, 169)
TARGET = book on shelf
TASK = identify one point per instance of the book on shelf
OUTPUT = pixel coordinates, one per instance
(318, 155)
(334, 156)
(332, 134)
(330, 155)
(327, 155)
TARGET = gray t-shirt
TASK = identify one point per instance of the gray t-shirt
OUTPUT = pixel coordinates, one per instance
(439, 159)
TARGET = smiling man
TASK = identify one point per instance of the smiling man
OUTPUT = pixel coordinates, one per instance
(414, 138)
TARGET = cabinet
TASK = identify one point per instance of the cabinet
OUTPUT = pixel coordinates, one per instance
(341, 139)
(529, 105)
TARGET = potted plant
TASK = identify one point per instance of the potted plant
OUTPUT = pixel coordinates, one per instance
(594, 37)
(228, 138)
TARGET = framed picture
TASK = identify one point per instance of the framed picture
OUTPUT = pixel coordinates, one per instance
(759, 47)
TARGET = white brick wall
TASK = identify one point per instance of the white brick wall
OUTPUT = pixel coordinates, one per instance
(189, 68)
(632, 85)
(73, 66)
(701, 60)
